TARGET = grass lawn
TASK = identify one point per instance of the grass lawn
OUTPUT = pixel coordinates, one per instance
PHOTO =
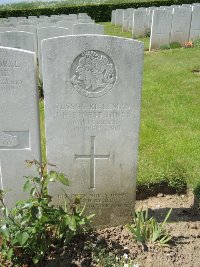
(170, 117)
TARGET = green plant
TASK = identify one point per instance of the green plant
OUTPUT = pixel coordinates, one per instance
(164, 47)
(147, 32)
(29, 229)
(196, 191)
(175, 45)
(147, 229)
(196, 43)
(105, 258)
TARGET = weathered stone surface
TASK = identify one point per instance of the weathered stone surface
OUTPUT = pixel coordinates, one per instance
(92, 112)
(18, 39)
(113, 17)
(45, 33)
(119, 17)
(161, 28)
(19, 120)
(128, 19)
(140, 22)
(195, 23)
(87, 28)
(181, 25)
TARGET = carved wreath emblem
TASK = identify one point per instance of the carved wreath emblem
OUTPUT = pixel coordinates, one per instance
(93, 73)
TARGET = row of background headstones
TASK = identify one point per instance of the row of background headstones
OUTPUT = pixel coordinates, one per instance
(27, 33)
(164, 25)
(86, 130)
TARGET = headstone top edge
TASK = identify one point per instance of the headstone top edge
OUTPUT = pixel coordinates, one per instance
(78, 36)
(16, 50)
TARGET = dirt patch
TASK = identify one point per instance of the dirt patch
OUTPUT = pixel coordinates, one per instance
(184, 226)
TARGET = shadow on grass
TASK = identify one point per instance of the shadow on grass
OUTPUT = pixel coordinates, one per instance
(177, 214)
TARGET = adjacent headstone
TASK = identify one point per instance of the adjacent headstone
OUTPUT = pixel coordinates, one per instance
(119, 17)
(18, 39)
(92, 88)
(140, 23)
(195, 23)
(45, 33)
(124, 20)
(19, 121)
(113, 17)
(181, 25)
(66, 24)
(128, 20)
(87, 28)
(161, 28)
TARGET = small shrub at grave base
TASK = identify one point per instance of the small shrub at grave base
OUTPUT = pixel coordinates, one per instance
(147, 32)
(147, 230)
(105, 258)
(29, 229)
(164, 47)
(196, 204)
(196, 43)
(175, 45)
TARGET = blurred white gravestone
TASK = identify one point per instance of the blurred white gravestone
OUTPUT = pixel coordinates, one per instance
(45, 33)
(161, 28)
(19, 120)
(127, 18)
(92, 112)
(140, 22)
(181, 25)
(195, 23)
(87, 28)
(119, 17)
(18, 39)
(113, 17)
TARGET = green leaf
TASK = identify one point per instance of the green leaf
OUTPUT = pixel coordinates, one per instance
(37, 180)
(32, 192)
(36, 258)
(62, 179)
(27, 186)
(22, 237)
(52, 176)
(9, 253)
(5, 231)
(72, 224)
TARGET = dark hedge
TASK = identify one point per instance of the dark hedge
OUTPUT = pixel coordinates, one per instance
(100, 13)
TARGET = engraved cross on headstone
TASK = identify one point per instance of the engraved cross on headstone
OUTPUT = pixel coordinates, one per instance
(92, 158)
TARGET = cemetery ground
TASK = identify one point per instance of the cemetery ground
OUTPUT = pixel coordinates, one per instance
(168, 171)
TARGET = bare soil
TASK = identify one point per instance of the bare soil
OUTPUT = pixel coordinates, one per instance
(183, 226)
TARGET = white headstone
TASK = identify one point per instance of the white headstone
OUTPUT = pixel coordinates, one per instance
(92, 111)
(161, 28)
(45, 33)
(181, 25)
(66, 24)
(19, 120)
(128, 20)
(119, 17)
(195, 23)
(87, 28)
(140, 22)
(113, 17)
(18, 39)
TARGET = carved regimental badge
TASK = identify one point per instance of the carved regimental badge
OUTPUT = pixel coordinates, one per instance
(93, 73)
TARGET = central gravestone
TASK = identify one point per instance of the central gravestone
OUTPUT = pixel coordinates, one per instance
(92, 112)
